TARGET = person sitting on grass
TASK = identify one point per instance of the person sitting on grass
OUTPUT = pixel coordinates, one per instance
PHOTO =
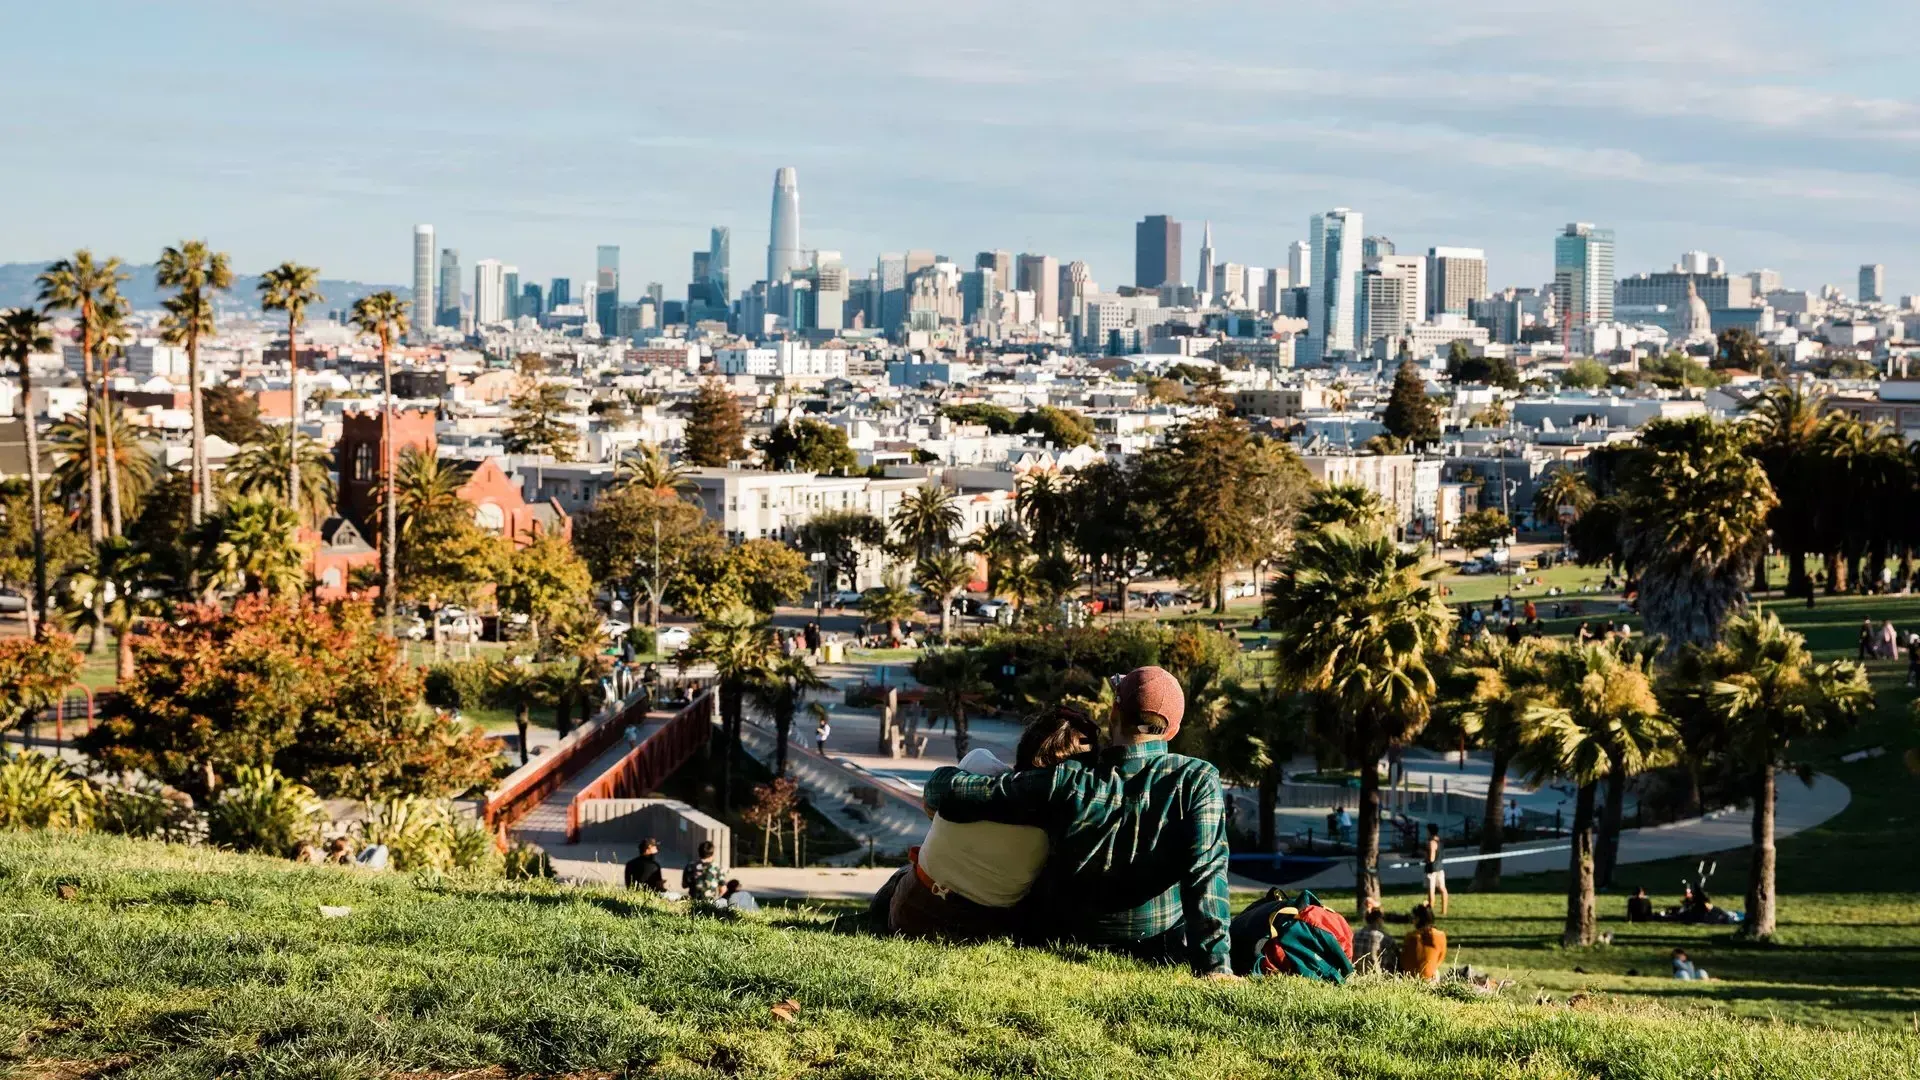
(1683, 968)
(701, 878)
(644, 872)
(1640, 906)
(1424, 948)
(964, 880)
(738, 898)
(1374, 950)
(1137, 835)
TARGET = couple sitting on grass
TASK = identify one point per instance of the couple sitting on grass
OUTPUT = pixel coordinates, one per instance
(1121, 846)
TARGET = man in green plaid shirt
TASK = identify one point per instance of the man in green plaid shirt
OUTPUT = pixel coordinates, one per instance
(1138, 859)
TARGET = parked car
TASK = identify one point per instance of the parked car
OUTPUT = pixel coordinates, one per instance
(12, 603)
(672, 638)
(614, 629)
(847, 598)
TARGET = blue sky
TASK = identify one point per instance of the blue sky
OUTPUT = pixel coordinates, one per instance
(1774, 134)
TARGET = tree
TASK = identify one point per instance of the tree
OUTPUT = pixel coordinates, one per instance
(544, 580)
(258, 549)
(647, 466)
(1497, 685)
(117, 440)
(926, 520)
(233, 414)
(781, 689)
(89, 290)
(1343, 504)
(446, 559)
(1112, 517)
(1463, 367)
(291, 288)
(739, 644)
(942, 576)
(1045, 503)
(1677, 371)
(262, 468)
(129, 467)
(1409, 414)
(645, 541)
(715, 432)
(1563, 498)
(1064, 428)
(384, 316)
(34, 673)
(1585, 373)
(1694, 524)
(1737, 348)
(1603, 718)
(997, 419)
(58, 544)
(577, 649)
(1595, 535)
(758, 574)
(1788, 442)
(1208, 523)
(1764, 690)
(1358, 622)
(539, 425)
(844, 537)
(891, 604)
(1482, 529)
(807, 446)
(956, 686)
(196, 274)
(519, 684)
(314, 690)
(23, 334)
(427, 488)
(125, 579)
(1261, 726)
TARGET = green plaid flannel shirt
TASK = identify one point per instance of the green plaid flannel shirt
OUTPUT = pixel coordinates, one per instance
(1139, 842)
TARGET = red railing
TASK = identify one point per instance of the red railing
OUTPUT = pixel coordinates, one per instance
(529, 785)
(654, 759)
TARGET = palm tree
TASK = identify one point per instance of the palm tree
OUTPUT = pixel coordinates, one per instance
(84, 287)
(738, 642)
(891, 604)
(23, 334)
(262, 467)
(115, 432)
(1045, 501)
(384, 316)
(579, 649)
(519, 684)
(648, 466)
(1343, 504)
(126, 578)
(1603, 720)
(1765, 690)
(259, 548)
(1565, 490)
(1260, 727)
(1503, 682)
(781, 690)
(1002, 544)
(956, 684)
(926, 519)
(130, 469)
(1358, 622)
(426, 487)
(1786, 424)
(291, 287)
(196, 273)
(943, 576)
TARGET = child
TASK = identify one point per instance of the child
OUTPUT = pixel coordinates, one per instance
(964, 880)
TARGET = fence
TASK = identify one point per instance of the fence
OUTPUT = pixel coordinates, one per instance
(663, 746)
(530, 784)
(679, 828)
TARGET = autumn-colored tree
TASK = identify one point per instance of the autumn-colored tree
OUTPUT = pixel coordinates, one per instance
(33, 675)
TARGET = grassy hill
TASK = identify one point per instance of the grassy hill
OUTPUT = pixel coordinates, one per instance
(133, 958)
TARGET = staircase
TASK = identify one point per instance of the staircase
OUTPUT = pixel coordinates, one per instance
(863, 806)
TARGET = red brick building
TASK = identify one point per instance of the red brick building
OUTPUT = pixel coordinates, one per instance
(498, 504)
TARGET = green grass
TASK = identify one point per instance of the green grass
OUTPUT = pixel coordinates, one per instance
(178, 962)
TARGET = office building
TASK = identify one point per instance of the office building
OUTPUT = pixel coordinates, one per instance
(1693, 262)
(532, 302)
(920, 259)
(1583, 277)
(425, 313)
(1456, 277)
(1040, 275)
(979, 296)
(1333, 290)
(1873, 283)
(1204, 274)
(1001, 263)
(1299, 263)
(489, 292)
(783, 239)
(510, 289)
(1076, 281)
(1395, 294)
(448, 313)
(1668, 289)
(559, 291)
(1375, 247)
(1229, 285)
(1763, 282)
(720, 269)
(890, 291)
(1156, 252)
(606, 288)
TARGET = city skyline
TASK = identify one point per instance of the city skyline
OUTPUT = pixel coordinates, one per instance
(1671, 139)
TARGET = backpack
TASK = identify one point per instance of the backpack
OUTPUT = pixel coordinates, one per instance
(1301, 936)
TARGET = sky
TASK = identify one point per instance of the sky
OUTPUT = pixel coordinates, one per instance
(1773, 134)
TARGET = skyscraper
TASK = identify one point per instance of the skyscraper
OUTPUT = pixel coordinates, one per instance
(559, 291)
(1583, 276)
(424, 311)
(1376, 247)
(1040, 275)
(1455, 278)
(1001, 263)
(720, 266)
(1205, 272)
(1299, 263)
(448, 313)
(533, 303)
(510, 292)
(1395, 296)
(1873, 283)
(890, 286)
(606, 284)
(1333, 292)
(783, 237)
(489, 292)
(1156, 252)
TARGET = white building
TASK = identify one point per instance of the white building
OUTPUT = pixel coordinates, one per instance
(783, 360)
(489, 292)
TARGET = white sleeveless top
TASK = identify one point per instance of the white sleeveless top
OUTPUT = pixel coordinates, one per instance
(989, 863)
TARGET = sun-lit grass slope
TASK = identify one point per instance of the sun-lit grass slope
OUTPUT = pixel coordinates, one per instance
(142, 960)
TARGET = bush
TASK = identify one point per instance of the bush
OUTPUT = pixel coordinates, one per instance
(641, 638)
(458, 684)
(525, 862)
(39, 792)
(263, 811)
(417, 833)
(471, 846)
(149, 811)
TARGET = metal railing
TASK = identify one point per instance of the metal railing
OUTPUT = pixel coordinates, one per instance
(654, 758)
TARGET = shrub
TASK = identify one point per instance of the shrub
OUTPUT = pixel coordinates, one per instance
(526, 862)
(641, 638)
(150, 811)
(417, 833)
(263, 811)
(457, 684)
(39, 792)
(471, 846)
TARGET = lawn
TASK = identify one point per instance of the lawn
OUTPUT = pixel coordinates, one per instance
(135, 959)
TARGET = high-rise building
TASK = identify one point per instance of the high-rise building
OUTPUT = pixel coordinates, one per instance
(559, 291)
(1001, 263)
(1333, 295)
(783, 240)
(890, 291)
(1395, 297)
(1456, 277)
(424, 312)
(489, 292)
(1693, 262)
(532, 303)
(1156, 252)
(1040, 275)
(606, 288)
(1765, 281)
(448, 313)
(979, 294)
(1583, 276)
(1873, 283)
(1076, 281)
(510, 288)
(1299, 263)
(1204, 273)
(1375, 247)
(919, 259)
(720, 267)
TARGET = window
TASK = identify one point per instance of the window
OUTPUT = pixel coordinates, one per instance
(490, 517)
(763, 500)
(330, 579)
(363, 461)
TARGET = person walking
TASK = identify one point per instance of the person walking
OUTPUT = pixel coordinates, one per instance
(1435, 871)
(821, 729)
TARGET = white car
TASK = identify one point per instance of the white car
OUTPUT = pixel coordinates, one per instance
(614, 629)
(672, 638)
(847, 598)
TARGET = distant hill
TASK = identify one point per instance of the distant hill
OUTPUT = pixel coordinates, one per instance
(17, 288)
